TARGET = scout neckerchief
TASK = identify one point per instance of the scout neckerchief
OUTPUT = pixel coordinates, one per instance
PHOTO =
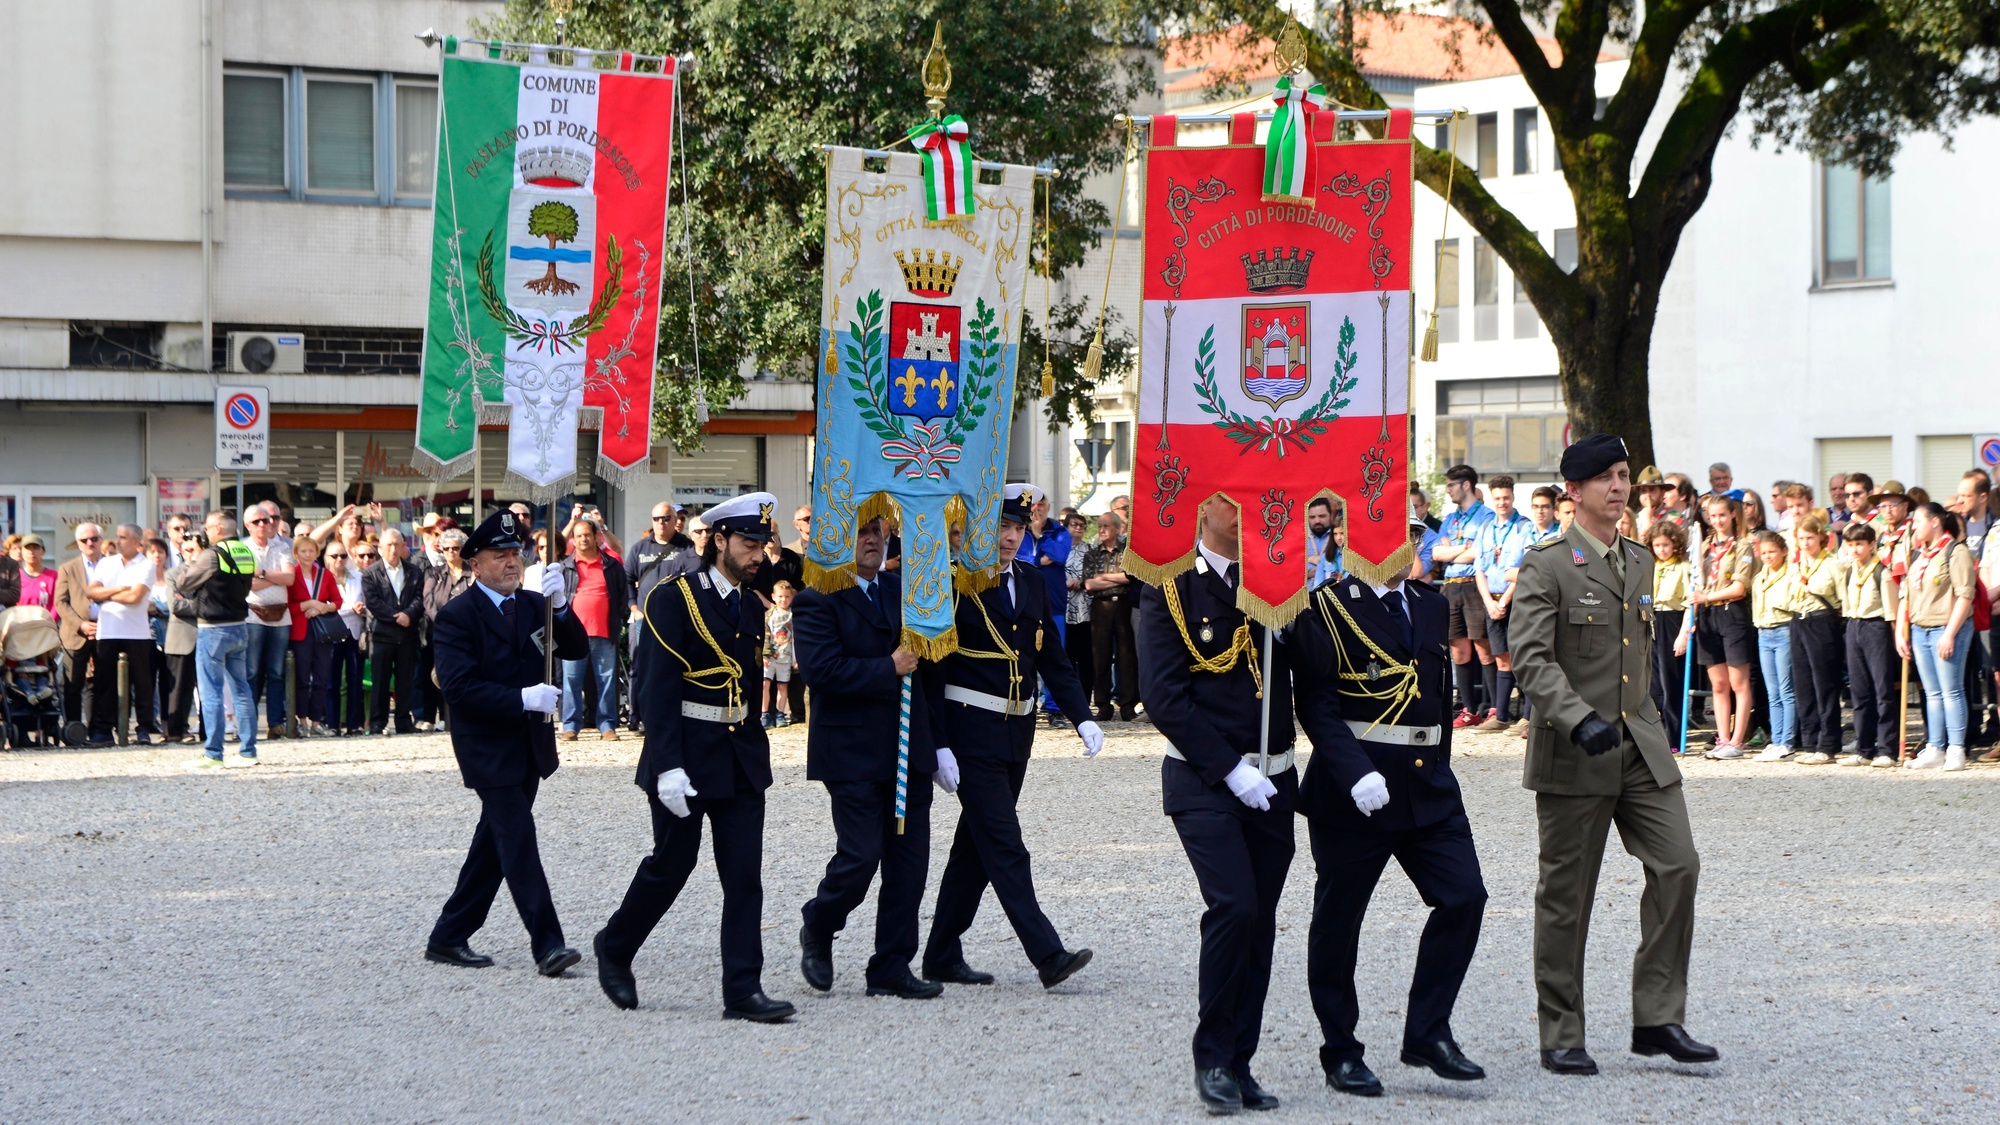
(1717, 552)
(1502, 530)
(1806, 573)
(1863, 574)
(1927, 563)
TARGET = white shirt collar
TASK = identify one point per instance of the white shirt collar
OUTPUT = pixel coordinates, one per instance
(1383, 591)
(1216, 562)
(490, 592)
(867, 584)
(723, 586)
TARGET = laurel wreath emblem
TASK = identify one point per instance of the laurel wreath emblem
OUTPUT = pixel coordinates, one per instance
(921, 450)
(1260, 434)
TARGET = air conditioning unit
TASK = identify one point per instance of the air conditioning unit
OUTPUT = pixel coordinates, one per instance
(259, 353)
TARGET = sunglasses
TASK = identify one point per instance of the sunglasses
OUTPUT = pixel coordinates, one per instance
(262, 519)
(367, 555)
(663, 519)
(91, 539)
(336, 554)
(1852, 493)
(453, 550)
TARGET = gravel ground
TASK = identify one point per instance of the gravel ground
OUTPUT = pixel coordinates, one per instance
(248, 947)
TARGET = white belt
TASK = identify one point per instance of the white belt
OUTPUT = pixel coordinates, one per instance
(1399, 736)
(712, 714)
(987, 702)
(1278, 763)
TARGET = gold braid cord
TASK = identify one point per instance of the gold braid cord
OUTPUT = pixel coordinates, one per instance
(731, 672)
(1240, 645)
(1002, 651)
(1402, 675)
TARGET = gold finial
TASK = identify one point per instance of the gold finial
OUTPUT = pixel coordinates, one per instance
(937, 73)
(1290, 53)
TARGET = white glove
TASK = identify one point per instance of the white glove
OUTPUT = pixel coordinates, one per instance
(675, 791)
(552, 587)
(947, 771)
(1251, 786)
(1093, 737)
(541, 697)
(1370, 793)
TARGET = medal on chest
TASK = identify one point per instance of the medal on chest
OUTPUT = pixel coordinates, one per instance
(1207, 631)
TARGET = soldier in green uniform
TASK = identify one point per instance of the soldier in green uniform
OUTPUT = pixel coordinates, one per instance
(1597, 754)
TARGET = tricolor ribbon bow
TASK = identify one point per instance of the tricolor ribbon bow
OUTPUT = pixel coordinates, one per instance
(1288, 151)
(948, 167)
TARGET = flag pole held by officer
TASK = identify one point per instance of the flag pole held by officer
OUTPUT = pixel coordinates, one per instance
(1598, 755)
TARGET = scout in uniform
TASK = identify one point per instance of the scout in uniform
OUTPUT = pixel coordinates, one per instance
(489, 643)
(1499, 547)
(1868, 602)
(1725, 638)
(1460, 554)
(1817, 649)
(1201, 675)
(1006, 638)
(1370, 664)
(704, 758)
(849, 648)
(1597, 755)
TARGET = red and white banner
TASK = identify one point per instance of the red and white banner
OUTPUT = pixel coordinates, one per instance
(1275, 357)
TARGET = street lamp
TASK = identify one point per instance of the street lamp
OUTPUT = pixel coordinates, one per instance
(1093, 450)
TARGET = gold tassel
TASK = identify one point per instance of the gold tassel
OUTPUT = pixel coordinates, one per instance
(832, 361)
(1048, 379)
(1429, 354)
(1093, 360)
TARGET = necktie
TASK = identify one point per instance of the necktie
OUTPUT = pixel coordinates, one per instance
(1393, 602)
(730, 602)
(507, 607)
(1229, 575)
(1007, 596)
(875, 598)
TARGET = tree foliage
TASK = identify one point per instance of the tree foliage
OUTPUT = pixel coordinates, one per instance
(1038, 80)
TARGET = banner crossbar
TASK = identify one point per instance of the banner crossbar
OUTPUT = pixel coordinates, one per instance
(1045, 171)
(1146, 119)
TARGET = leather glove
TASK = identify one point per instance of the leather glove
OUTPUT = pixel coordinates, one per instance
(1093, 737)
(675, 790)
(552, 587)
(541, 697)
(1251, 786)
(1594, 736)
(1370, 793)
(947, 771)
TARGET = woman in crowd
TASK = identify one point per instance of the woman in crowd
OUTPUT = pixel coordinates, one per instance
(1771, 601)
(1076, 643)
(1726, 639)
(1819, 652)
(1671, 627)
(12, 547)
(38, 583)
(1937, 611)
(1755, 517)
(344, 565)
(443, 583)
(314, 593)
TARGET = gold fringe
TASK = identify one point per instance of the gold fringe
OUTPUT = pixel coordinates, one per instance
(1378, 574)
(1275, 197)
(930, 648)
(1161, 574)
(879, 506)
(955, 514)
(966, 580)
(1268, 615)
(829, 579)
(1429, 354)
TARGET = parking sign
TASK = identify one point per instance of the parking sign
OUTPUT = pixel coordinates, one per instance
(243, 428)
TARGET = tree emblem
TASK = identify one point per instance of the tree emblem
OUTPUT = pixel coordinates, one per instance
(556, 222)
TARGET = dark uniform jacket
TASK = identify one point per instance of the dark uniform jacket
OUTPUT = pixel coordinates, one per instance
(677, 663)
(483, 660)
(1029, 634)
(844, 645)
(1212, 718)
(384, 605)
(1326, 643)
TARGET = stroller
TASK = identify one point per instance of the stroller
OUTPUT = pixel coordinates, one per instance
(30, 678)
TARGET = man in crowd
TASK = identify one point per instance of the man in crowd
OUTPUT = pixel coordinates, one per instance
(270, 618)
(178, 550)
(1122, 504)
(1420, 509)
(1112, 601)
(1322, 553)
(596, 589)
(1500, 546)
(217, 580)
(1836, 488)
(1720, 479)
(1460, 553)
(393, 590)
(1854, 493)
(78, 615)
(122, 587)
(802, 523)
(651, 555)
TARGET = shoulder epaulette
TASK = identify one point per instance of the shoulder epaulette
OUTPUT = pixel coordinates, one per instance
(1545, 544)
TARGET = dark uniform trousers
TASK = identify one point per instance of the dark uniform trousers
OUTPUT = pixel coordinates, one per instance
(1653, 824)
(1872, 668)
(503, 848)
(737, 826)
(864, 818)
(1818, 657)
(987, 849)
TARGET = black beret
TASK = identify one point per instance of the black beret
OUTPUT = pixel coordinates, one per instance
(1593, 455)
(502, 531)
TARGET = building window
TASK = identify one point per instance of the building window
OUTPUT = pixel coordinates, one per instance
(416, 138)
(1854, 226)
(1527, 127)
(1485, 291)
(1565, 254)
(1502, 425)
(1447, 295)
(1488, 129)
(1526, 322)
(340, 135)
(253, 130)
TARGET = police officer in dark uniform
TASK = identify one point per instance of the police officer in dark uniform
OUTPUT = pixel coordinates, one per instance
(850, 653)
(1201, 675)
(1006, 638)
(705, 758)
(1373, 679)
(489, 643)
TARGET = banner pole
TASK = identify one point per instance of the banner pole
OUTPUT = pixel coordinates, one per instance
(1687, 683)
(549, 610)
(1264, 722)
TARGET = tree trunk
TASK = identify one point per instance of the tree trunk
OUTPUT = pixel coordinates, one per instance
(1603, 361)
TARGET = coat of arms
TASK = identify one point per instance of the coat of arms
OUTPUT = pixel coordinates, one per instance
(1275, 366)
(925, 383)
(923, 373)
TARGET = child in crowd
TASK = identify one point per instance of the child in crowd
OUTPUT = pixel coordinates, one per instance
(1772, 597)
(1817, 650)
(1671, 627)
(778, 655)
(1727, 642)
(1868, 594)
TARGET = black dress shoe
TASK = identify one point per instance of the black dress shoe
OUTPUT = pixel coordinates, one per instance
(1062, 965)
(759, 1008)
(614, 976)
(1445, 1060)
(552, 963)
(1569, 1060)
(1352, 1076)
(816, 959)
(460, 955)
(1254, 1096)
(906, 986)
(1673, 1041)
(1217, 1089)
(956, 973)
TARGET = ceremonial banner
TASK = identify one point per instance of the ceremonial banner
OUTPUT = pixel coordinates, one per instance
(919, 330)
(550, 212)
(1274, 356)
